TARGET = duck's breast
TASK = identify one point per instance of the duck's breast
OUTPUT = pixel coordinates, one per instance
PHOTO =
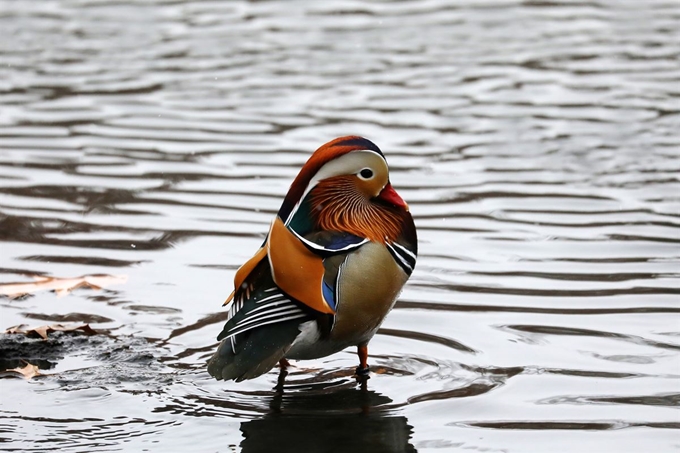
(370, 282)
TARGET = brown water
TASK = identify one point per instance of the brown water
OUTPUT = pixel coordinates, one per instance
(536, 142)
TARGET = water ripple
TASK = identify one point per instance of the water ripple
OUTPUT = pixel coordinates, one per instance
(535, 141)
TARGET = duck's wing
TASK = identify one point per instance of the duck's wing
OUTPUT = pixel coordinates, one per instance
(289, 281)
(262, 325)
(298, 264)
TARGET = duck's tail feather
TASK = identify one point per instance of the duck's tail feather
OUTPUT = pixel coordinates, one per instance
(254, 352)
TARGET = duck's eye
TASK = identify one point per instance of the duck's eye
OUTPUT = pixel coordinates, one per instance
(366, 173)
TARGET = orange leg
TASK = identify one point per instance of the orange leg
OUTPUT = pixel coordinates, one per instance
(280, 382)
(362, 351)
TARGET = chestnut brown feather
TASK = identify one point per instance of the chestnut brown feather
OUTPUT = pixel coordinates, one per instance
(339, 205)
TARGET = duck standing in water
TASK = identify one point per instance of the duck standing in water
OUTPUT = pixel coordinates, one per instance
(334, 261)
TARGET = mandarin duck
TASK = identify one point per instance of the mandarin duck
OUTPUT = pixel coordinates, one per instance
(336, 257)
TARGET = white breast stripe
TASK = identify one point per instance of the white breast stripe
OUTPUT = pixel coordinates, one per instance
(405, 250)
(400, 258)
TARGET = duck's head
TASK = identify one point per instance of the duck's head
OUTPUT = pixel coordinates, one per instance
(345, 186)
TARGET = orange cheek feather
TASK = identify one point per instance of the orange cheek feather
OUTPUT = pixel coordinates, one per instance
(339, 206)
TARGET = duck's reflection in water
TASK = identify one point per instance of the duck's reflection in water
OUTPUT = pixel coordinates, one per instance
(331, 420)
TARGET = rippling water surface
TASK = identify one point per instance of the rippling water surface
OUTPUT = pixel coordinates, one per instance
(536, 142)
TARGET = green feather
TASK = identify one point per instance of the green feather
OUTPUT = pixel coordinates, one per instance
(303, 222)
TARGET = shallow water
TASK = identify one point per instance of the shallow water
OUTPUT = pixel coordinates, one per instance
(536, 143)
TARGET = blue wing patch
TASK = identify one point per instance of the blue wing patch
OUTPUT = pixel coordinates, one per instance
(344, 242)
(329, 295)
